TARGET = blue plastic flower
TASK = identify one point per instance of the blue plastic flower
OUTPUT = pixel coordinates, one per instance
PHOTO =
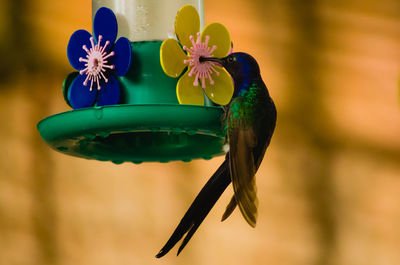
(98, 59)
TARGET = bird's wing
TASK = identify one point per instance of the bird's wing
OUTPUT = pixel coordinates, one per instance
(229, 208)
(243, 169)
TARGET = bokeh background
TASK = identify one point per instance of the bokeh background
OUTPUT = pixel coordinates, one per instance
(329, 186)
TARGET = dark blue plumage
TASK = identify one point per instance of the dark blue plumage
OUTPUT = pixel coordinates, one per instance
(249, 121)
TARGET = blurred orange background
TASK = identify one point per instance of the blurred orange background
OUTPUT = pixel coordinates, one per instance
(329, 187)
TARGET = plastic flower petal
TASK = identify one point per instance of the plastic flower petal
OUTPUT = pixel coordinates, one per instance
(219, 37)
(200, 77)
(187, 23)
(79, 96)
(109, 93)
(79, 39)
(215, 92)
(172, 58)
(105, 25)
(121, 59)
(187, 93)
(97, 59)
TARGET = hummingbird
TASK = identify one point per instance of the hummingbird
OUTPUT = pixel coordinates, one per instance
(249, 121)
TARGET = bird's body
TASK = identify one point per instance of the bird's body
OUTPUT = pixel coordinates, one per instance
(249, 121)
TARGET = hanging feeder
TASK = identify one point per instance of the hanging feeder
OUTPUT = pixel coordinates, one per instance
(147, 122)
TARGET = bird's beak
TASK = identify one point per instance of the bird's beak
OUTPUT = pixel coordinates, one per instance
(211, 59)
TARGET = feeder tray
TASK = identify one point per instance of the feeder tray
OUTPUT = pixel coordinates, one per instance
(136, 133)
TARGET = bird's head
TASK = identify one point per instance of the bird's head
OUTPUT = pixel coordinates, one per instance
(239, 65)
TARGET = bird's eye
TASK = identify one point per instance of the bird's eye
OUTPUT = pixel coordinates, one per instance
(231, 59)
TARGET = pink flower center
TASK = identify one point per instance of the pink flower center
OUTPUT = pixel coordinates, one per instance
(202, 70)
(96, 63)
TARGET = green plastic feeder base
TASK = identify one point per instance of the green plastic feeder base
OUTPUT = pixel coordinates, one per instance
(136, 133)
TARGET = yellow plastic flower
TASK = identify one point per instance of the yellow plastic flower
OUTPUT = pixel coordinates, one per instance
(214, 41)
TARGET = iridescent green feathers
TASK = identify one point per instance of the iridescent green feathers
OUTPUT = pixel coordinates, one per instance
(242, 139)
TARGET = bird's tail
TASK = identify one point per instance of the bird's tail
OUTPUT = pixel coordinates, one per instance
(199, 209)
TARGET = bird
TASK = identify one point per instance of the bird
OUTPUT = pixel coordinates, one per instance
(249, 121)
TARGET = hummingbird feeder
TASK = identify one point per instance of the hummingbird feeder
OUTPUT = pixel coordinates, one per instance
(132, 98)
